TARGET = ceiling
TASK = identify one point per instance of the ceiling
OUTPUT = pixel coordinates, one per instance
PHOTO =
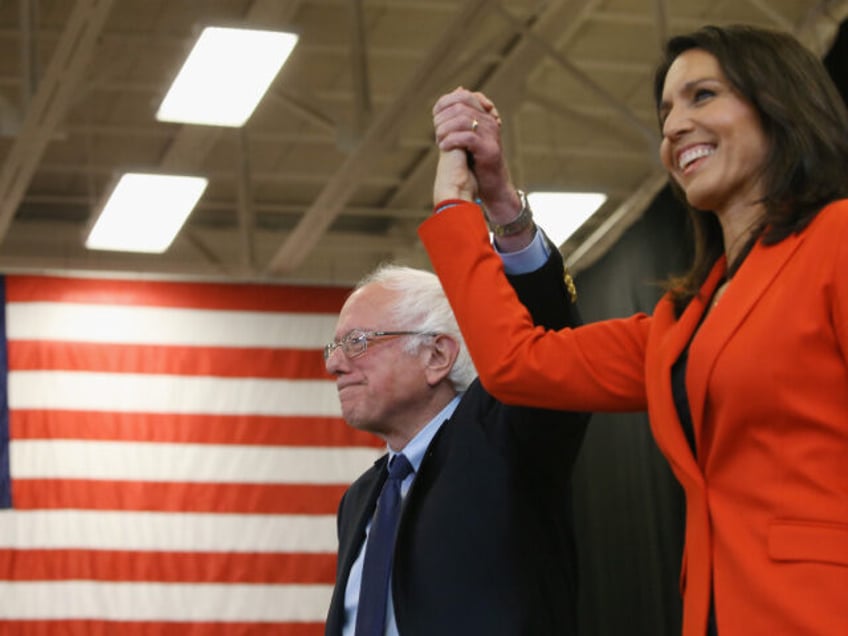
(333, 172)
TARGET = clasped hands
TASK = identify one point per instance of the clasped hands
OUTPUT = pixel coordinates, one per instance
(467, 124)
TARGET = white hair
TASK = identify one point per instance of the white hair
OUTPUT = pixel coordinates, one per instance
(423, 306)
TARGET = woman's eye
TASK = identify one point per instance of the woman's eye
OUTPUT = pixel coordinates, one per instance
(702, 93)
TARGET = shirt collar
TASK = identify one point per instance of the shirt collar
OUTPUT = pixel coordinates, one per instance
(418, 445)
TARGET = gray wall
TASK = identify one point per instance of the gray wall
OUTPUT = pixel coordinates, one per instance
(628, 507)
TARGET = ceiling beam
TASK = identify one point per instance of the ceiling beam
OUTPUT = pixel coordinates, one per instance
(607, 233)
(661, 17)
(821, 25)
(383, 131)
(49, 104)
(48, 246)
(359, 64)
(775, 16)
(29, 51)
(246, 212)
(192, 144)
(564, 62)
(506, 83)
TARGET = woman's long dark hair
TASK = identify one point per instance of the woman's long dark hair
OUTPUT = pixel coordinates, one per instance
(805, 122)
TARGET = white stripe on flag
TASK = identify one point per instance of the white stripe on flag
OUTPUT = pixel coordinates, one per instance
(166, 326)
(169, 532)
(163, 602)
(148, 393)
(143, 461)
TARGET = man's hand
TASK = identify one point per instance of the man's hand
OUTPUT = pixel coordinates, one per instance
(468, 121)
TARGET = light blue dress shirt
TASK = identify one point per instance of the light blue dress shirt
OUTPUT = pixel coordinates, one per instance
(523, 261)
(414, 452)
(528, 259)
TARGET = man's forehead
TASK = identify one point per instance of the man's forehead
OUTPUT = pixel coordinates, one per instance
(372, 295)
(363, 308)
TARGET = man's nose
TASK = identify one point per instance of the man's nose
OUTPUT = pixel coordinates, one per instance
(335, 360)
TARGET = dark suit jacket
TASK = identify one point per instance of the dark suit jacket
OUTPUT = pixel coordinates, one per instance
(485, 542)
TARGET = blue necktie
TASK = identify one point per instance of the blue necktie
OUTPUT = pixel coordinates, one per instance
(374, 590)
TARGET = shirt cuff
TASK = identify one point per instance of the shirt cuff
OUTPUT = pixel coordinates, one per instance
(528, 259)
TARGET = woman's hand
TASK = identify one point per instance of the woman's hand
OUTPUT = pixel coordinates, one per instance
(454, 179)
(468, 121)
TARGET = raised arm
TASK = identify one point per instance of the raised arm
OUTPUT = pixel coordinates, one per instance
(467, 127)
(595, 367)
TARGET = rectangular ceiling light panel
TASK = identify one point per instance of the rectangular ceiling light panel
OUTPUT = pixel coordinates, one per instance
(561, 213)
(225, 76)
(145, 212)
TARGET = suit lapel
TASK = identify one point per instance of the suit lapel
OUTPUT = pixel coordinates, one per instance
(760, 270)
(364, 510)
(674, 336)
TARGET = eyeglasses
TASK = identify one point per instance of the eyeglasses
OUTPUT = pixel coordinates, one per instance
(356, 342)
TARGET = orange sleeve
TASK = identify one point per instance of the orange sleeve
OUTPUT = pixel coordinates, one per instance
(595, 367)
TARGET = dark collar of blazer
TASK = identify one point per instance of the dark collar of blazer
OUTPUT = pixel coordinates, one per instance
(360, 499)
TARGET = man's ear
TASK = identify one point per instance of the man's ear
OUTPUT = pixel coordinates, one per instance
(441, 355)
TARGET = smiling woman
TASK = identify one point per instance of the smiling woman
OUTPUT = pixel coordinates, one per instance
(746, 400)
(796, 103)
(713, 145)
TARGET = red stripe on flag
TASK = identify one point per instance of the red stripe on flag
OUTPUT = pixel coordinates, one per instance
(188, 428)
(124, 628)
(87, 494)
(168, 567)
(179, 359)
(228, 362)
(195, 295)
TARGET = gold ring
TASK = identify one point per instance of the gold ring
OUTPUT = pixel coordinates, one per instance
(474, 124)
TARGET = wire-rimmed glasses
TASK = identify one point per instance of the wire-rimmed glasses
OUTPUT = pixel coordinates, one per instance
(355, 342)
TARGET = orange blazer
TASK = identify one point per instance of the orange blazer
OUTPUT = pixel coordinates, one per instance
(767, 381)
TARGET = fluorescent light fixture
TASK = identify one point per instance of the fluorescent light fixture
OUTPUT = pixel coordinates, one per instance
(225, 76)
(559, 214)
(145, 212)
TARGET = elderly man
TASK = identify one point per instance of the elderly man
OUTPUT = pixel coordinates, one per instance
(484, 543)
(463, 527)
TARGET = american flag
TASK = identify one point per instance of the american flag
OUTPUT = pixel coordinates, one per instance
(171, 459)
